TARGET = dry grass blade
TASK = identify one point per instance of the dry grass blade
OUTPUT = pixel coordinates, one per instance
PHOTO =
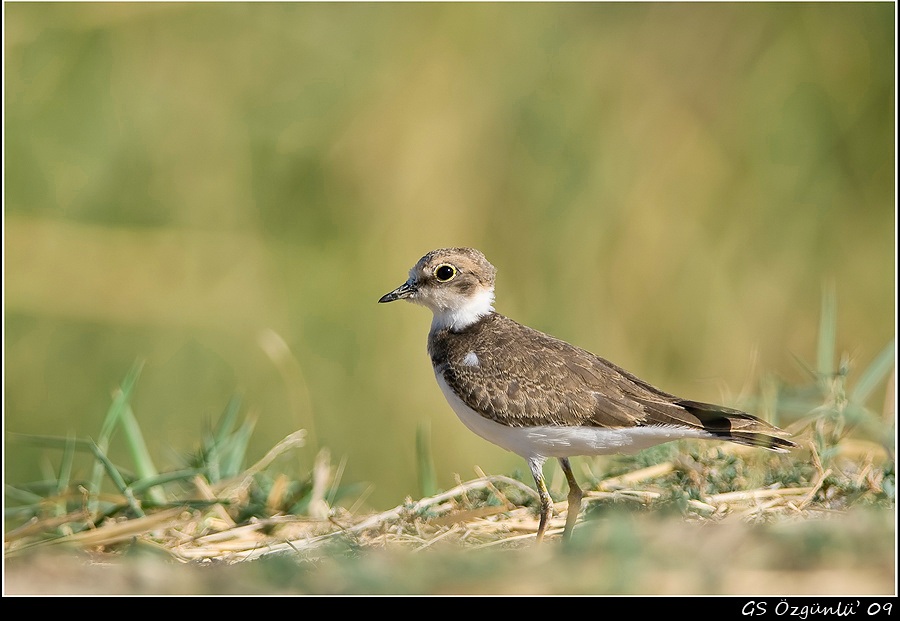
(112, 533)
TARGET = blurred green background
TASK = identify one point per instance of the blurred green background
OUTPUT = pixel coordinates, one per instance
(225, 190)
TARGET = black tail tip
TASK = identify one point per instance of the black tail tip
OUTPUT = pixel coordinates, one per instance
(770, 443)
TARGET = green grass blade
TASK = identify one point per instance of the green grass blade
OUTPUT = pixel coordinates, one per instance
(227, 420)
(210, 459)
(65, 474)
(119, 403)
(117, 478)
(874, 374)
(24, 512)
(142, 485)
(216, 445)
(65, 467)
(113, 414)
(57, 442)
(235, 455)
(143, 463)
(21, 495)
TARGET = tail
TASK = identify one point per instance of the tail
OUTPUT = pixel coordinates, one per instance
(738, 427)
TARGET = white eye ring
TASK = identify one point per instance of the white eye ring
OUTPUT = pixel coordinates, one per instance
(445, 272)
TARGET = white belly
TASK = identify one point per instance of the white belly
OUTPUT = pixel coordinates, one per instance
(545, 441)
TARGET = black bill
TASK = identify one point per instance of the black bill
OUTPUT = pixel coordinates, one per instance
(403, 291)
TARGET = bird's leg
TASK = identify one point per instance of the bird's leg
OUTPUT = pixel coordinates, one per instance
(536, 465)
(575, 495)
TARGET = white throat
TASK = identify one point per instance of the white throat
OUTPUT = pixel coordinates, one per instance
(463, 315)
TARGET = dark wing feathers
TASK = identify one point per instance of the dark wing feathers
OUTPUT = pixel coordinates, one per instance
(737, 426)
(586, 389)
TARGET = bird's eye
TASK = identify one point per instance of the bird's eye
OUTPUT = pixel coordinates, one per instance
(444, 272)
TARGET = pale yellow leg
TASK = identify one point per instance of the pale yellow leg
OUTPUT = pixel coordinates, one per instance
(537, 472)
(575, 496)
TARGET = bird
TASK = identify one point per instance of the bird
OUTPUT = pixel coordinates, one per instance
(541, 397)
